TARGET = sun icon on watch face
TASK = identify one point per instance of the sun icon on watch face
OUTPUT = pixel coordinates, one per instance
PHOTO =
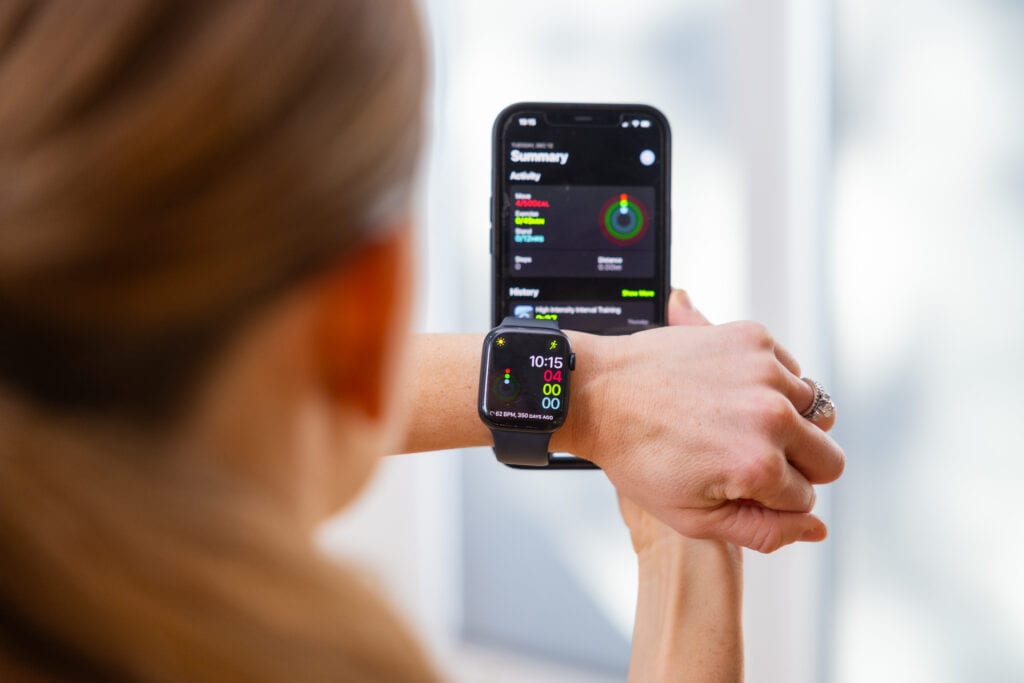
(499, 342)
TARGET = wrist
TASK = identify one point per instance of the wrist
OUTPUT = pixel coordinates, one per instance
(715, 560)
(577, 435)
(689, 622)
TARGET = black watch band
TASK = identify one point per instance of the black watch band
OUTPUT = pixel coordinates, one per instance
(523, 449)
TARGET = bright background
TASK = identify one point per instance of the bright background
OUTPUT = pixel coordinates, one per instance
(851, 173)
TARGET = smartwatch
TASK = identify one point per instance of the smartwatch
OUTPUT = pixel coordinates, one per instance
(524, 388)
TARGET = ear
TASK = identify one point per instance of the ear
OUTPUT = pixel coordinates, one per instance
(361, 321)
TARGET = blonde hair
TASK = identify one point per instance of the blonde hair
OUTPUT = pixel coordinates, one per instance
(167, 169)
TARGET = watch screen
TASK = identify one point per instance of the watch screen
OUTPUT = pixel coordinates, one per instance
(525, 379)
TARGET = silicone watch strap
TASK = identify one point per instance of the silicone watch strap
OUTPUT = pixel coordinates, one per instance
(523, 449)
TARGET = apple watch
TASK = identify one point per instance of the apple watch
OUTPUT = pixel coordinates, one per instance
(524, 388)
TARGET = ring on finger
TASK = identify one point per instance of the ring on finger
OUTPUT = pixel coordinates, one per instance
(821, 406)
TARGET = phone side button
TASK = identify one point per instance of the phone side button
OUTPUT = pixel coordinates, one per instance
(490, 242)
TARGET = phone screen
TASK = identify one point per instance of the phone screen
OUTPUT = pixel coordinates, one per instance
(580, 216)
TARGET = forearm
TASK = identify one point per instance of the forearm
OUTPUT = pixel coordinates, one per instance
(688, 619)
(440, 400)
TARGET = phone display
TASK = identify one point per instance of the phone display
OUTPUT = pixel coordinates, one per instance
(580, 218)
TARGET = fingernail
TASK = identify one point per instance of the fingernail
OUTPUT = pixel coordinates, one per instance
(816, 534)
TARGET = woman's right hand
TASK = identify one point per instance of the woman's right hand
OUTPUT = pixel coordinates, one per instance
(700, 425)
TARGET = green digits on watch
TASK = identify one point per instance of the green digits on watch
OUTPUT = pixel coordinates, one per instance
(524, 388)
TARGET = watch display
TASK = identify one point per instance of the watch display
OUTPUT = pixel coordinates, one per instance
(525, 379)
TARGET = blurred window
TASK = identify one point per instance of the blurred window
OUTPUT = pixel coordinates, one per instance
(929, 294)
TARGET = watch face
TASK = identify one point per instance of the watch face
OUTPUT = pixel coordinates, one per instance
(524, 382)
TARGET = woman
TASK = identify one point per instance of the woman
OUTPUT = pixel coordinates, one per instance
(204, 267)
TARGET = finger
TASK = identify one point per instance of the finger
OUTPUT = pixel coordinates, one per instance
(681, 310)
(826, 423)
(763, 529)
(801, 394)
(773, 482)
(787, 359)
(813, 452)
(822, 423)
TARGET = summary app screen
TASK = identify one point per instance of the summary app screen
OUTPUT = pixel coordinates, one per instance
(580, 224)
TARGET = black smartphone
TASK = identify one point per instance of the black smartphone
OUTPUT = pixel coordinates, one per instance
(580, 218)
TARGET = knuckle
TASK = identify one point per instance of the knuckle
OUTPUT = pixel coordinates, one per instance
(763, 536)
(770, 539)
(830, 461)
(773, 414)
(812, 499)
(762, 472)
(755, 334)
(839, 466)
(765, 370)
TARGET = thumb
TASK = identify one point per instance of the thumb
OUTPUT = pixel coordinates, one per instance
(763, 529)
(681, 310)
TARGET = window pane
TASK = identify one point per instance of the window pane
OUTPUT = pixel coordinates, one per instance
(929, 249)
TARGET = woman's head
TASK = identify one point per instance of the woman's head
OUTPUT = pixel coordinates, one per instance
(167, 168)
(203, 250)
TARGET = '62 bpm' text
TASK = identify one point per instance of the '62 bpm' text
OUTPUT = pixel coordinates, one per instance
(519, 415)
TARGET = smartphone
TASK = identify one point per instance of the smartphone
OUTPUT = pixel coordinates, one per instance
(580, 218)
